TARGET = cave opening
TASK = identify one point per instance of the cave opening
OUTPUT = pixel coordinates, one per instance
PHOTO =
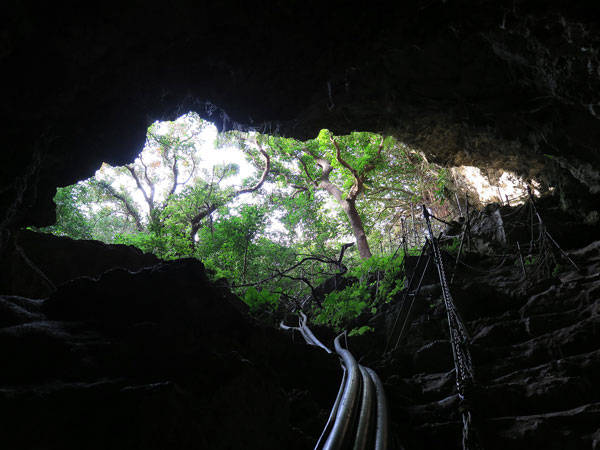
(276, 219)
(183, 196)
(495, 343)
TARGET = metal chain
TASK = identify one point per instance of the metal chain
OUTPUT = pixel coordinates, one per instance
(459, 339)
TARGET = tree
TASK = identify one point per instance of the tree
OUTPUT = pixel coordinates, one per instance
(322, 164)
(165, 193)
(71, 221)
(231, 245)
(169, 161)
(212, 204)
(276, 234)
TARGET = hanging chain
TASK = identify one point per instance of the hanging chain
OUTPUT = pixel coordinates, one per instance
(459, 339)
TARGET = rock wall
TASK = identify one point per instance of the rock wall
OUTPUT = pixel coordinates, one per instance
(535, 346)
(153, 355)
(161, 358)
(536, 354)
(155, 359)
(37, 263)
(484, 83)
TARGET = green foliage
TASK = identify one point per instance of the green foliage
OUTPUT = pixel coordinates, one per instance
(152, 204)
(383, 274)
(452, 246)
(71, 220)
(360, 331)
(435, 303)
(374, 280)
(232, 245)
(162, 242)
(146, 242)
(441, 182)
(558, 268)
(262, 299)
(339, 307)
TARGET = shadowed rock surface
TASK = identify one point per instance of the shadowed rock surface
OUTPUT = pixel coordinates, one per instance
(495, 84)
(155, 359)
(39, 262)
(536, 351)
(163, 359)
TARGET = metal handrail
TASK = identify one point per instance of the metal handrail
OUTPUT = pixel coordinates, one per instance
(359, 416)
(306, 332)
(310, 334)
(365, 420)
(382, 437)
(332, 414)
(346, 411)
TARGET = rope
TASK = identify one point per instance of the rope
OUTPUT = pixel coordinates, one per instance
(414, 296)
(518, 209)
(488, 271)
(412, 277)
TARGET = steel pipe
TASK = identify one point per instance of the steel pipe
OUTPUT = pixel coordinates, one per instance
(348, 405)
(382, 437)
(306, 337)
(361, 393)
(284, 327)
(310, 334)
(306, 333)
(365, 421)
(332, 414)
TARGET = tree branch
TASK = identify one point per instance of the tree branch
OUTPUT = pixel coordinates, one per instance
(149, 198)
(263, 176)
(371, 165)
(358, 186)
(342, 267)
(313, 182)
(195, 222)
(175, 171)
(191, 172)
(131, 210)
(289, 269)
(326, 184)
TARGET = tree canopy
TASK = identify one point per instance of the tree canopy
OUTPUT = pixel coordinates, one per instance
(278, 234)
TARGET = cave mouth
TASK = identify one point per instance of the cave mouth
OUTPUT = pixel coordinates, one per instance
(257, 209)
(119, 201)
(128, 351)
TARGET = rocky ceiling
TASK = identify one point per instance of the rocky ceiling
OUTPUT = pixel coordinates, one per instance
(491, 83)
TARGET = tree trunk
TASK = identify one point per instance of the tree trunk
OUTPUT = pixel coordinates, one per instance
(245, 262)
(358, 228)
(349, 207)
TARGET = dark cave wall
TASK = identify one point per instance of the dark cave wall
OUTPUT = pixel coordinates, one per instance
(497, 84)
(468, 82)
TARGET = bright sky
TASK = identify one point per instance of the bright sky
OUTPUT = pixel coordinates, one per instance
(212, 156)
(209, 155)
(206, 151)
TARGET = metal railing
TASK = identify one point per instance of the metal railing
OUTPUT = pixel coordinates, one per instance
(359, 416)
